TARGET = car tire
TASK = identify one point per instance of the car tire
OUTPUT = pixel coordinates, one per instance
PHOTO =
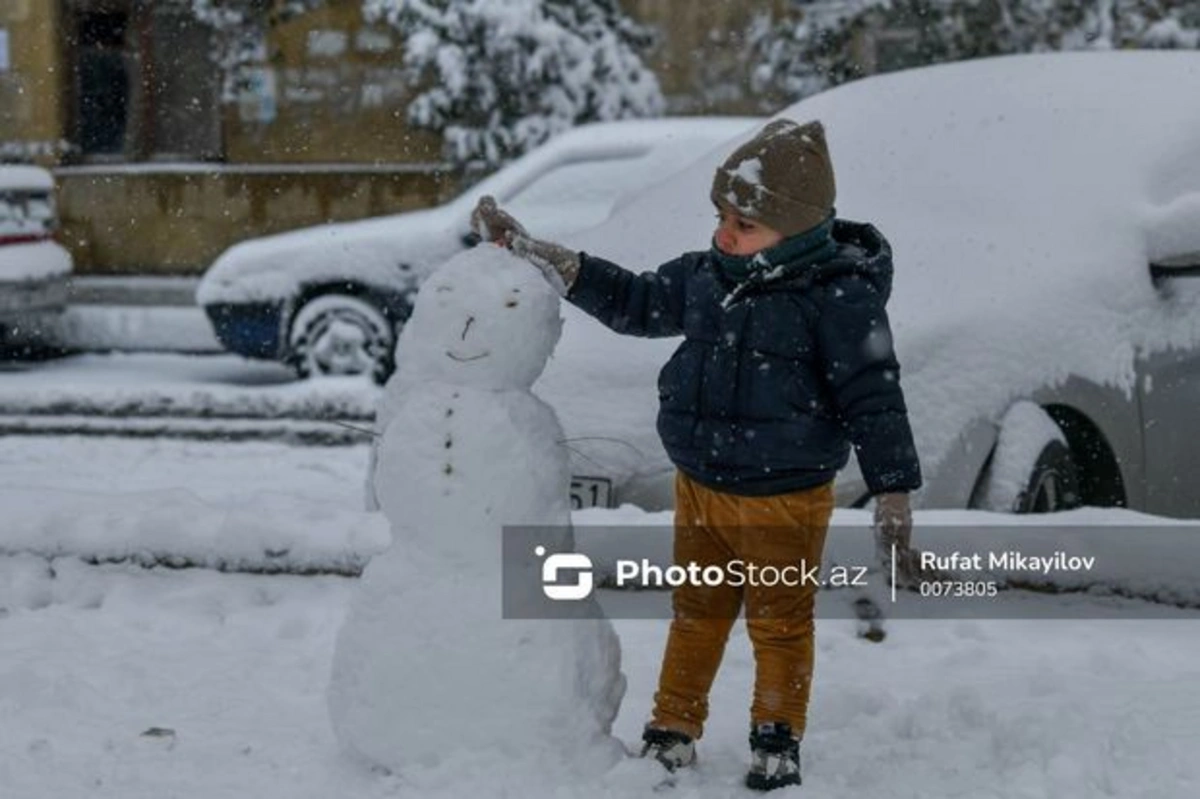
(1032, 469)
(339, 334)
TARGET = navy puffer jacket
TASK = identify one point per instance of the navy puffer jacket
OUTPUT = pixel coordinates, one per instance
(779, 372)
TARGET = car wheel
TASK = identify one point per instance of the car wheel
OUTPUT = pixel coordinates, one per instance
(1032, 469)
(337, 334)
(1053, 484)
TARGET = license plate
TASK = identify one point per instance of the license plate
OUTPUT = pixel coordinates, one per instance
(590, 492)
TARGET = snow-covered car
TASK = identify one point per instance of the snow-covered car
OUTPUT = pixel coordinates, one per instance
(1044, 213)
(34, 268)
(330, 299)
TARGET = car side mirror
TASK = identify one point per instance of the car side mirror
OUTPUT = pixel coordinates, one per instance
(1186, 265)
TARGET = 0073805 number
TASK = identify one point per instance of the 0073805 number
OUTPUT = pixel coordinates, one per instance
(958, 588)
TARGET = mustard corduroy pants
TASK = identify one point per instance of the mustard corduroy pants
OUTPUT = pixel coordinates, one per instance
(769, 534)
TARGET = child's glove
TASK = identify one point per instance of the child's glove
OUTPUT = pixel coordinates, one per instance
(559, 265)
(893, 520)
(494, 225)
(893, 525)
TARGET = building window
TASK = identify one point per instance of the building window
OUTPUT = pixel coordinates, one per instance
(104, 82)
(147, 87)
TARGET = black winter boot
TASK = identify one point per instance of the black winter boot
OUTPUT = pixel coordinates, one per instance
(774, 757)
(672, 749)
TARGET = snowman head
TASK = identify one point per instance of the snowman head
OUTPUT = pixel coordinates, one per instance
(485, 318)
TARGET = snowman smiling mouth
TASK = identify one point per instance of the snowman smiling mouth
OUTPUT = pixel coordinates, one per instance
(464, 358)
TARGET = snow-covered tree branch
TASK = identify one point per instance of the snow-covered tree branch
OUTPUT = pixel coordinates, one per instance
(816, 45)
(498, 77)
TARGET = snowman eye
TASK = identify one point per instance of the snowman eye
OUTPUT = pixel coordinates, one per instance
(512, 303)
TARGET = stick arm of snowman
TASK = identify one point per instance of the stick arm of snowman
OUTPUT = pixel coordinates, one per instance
(558, 264)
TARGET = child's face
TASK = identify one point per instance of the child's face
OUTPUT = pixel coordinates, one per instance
(738, 235)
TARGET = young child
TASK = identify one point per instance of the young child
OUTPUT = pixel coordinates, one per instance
(786, 362)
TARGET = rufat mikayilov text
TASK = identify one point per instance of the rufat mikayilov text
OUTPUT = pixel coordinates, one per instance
(1009, 560)
(737, 573)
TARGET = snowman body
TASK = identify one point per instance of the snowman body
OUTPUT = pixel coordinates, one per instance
(425, 663)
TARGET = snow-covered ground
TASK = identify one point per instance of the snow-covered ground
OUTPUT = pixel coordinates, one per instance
(235, 666)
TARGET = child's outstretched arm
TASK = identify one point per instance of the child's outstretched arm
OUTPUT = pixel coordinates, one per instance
(650, 304)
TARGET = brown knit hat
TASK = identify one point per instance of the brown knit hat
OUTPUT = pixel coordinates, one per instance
(782, 177)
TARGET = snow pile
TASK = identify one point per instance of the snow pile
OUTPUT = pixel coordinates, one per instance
(1025, 431)
(265, 532)
(142, 384)
(35, 261)
(255, 505)
(131, 328)
(1022, 219)
(425, 668)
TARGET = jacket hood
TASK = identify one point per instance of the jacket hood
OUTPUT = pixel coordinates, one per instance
(861, 250)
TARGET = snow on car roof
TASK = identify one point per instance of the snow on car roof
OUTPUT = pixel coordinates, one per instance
(1023, 197)
(20, 177)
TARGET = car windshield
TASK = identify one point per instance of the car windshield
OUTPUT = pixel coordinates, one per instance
(578, 195)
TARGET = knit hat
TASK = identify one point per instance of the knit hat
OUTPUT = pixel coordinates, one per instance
(782, 177)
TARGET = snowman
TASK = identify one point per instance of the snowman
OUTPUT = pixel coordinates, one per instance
(427, 670)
